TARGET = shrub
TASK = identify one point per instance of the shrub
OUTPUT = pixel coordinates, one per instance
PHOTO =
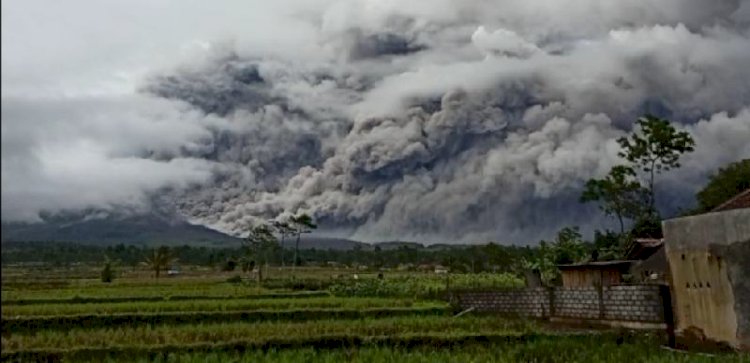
(229, 265)
(107, 273)
(234, 279)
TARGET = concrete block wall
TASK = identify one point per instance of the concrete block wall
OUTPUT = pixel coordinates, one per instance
(579, 302)
(625, 303)
(528, 302)
(633, 303)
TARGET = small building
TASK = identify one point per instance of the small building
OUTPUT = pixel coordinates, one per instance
(709, 266)
(643, 248)
(653, 270)
(651, 265)
(601, 273)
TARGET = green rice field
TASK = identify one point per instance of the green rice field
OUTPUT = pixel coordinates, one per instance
(314, 317)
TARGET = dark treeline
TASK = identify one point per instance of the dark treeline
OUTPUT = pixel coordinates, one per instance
(262, 246)
(459, 258)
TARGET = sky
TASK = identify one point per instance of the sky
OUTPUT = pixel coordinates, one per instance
(434, 121)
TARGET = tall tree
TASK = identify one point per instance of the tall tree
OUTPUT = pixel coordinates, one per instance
(568, 246)
(725, 184)
(159, 259)
(654, 147)
(302, 223)
(284, 230)
(260, 242)
(619, 194)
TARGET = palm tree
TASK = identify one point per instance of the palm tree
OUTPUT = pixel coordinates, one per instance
(284, 230)
(302, 223)
(159, 259)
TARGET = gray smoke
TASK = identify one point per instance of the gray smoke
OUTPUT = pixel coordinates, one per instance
(446, 121)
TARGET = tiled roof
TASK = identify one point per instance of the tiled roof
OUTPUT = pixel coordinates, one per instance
(739, 201)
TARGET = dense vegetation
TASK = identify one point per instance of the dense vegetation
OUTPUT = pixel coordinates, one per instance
(267, 300)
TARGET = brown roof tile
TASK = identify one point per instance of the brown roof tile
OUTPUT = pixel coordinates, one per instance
(739, 201)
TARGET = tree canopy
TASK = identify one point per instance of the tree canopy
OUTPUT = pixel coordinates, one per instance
(655, 147)
(723, 185)
(619, 194)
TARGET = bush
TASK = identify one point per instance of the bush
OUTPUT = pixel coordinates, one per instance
(229, 265)
(107, 273)
(235, 279)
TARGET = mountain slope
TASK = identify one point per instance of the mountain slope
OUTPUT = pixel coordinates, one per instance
(149, 229)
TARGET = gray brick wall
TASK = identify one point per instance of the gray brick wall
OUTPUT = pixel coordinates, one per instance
(633, 303)
(576, 302)
(529, 302)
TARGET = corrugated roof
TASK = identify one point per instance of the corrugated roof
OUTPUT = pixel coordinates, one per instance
(739, 201)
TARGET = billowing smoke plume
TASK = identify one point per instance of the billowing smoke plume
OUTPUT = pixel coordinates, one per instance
(454, 121)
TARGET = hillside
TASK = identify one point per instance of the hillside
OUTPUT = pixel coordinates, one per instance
(141, 230)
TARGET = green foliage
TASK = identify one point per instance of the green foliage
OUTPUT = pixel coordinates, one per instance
(240, 303)
(302, 223)
(160, 259)
(259, 245)
(609, 245)
(600, 348)
(725, 184)
(568, 247)
(30, 324)
(619, 194)
(107, 273)
(491, 257)
(236, 279)
(283, 229)
(423, 286)
(168, 295)
(268, 331)
(229, 265)
(648, 226)
(260, 242)
(655, 147)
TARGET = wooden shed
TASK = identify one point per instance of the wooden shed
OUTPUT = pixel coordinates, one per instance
(603, 273)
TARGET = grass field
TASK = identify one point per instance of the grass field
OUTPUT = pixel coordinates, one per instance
(319, 316)
(211, 305)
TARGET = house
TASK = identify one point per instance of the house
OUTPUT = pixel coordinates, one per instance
(709, 266)
(601, 273)
(652, 270)
(643, 248)
(651, 265)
